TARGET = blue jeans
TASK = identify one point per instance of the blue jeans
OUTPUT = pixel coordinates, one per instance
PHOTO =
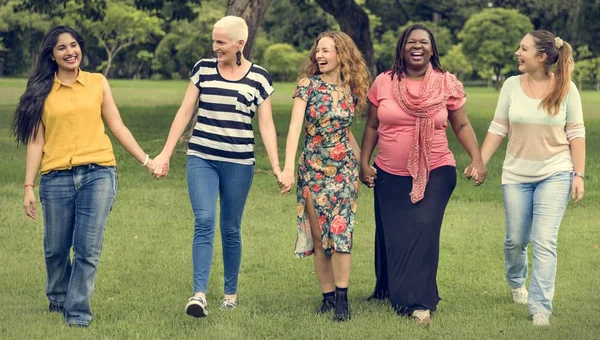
(533, 214)
(231, 182)
(76, 204)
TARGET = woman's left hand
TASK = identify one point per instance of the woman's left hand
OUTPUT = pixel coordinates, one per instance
(577, 189)
(476, 170)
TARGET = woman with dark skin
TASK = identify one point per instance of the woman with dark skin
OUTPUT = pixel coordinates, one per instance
(414, 172)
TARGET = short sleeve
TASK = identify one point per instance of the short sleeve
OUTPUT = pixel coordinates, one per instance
(458, 96)
(372, 95)
(195, 77)
(265, 87)
(304, 89)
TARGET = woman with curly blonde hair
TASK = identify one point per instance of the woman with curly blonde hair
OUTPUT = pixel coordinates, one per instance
(332, 87)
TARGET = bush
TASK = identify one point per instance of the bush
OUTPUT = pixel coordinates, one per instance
(282, 61)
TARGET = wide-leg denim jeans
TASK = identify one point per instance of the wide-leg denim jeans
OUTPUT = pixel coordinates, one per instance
(76, 204)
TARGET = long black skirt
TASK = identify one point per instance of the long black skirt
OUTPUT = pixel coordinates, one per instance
(407, 239)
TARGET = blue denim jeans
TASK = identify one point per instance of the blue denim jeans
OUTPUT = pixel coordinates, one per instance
(231, 182)
(76, 204)
(533, 214)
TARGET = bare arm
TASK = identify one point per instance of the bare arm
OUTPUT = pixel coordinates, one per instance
(181, 120)
(32, 166)
(578, 156)
(354, 145)
(489, 147)
(466, 136)
(268, 134)
(291, 144)
(111, 115)
(369, 141)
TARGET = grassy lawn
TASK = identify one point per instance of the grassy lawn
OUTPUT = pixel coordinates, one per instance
(145, 272)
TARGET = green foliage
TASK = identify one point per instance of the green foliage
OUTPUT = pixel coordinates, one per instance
(282, 61)
(170, 10)
(124, 26)
(385, 49)
(296, 22)
(491, 37)
(187, 43)
(456, 62)
(90, 9)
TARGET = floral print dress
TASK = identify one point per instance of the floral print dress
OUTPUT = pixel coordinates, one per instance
(327, 168)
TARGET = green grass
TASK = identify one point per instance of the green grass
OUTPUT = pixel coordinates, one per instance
(145, 273)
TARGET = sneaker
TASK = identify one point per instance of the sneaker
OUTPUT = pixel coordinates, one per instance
(196, 307)
(227, 304)
(520, 295)
(56, 308)
(422, 317)
(327, 305)
(342, 310)
(540, 319)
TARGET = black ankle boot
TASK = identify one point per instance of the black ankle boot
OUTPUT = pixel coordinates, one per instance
(327, 304)
(342, 311)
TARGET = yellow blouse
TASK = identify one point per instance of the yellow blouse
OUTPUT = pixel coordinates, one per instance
(74, 130)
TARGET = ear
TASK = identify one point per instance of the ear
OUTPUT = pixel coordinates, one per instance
(542, 57)
(241, 44)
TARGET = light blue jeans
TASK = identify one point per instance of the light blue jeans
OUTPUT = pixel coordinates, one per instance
(206, 180)
(533, 214)
(76, 204)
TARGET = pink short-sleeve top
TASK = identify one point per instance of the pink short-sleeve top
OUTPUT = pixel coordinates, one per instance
(397, 128)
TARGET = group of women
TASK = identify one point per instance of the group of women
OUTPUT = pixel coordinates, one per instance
(60, 119)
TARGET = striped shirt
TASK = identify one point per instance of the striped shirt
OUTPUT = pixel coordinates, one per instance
(538, 143)
(225, 111)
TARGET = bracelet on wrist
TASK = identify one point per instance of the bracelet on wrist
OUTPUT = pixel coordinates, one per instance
(578, 174)
(146, 160)
(28, 185)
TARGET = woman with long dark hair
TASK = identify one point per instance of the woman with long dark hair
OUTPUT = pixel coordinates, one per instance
(414, 173)
(59, 118)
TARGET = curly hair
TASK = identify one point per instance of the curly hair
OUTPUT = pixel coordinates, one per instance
(354, 72)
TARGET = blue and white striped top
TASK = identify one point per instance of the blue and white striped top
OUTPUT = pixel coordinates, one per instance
(225, 111)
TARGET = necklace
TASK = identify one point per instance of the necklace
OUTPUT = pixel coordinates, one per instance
(531, 89)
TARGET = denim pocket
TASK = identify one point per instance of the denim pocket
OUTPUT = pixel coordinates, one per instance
(49, 174)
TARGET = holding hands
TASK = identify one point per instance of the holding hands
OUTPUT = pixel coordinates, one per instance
(477, 171)
(286, 180)
(368, 175)
(160, 166)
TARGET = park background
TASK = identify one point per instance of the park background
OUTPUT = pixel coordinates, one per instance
(147, 48)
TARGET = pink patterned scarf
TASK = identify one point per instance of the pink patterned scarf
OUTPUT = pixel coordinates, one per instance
(437, 88)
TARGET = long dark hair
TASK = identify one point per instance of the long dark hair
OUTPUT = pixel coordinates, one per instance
(559, 53)
(27, 117)
(399, 67)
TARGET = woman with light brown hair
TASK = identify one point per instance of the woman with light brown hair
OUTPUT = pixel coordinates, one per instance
(332, 88)
(541, 113)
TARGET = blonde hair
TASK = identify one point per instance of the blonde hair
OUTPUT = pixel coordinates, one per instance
(236, 27)
(557, 52)
(354, 72)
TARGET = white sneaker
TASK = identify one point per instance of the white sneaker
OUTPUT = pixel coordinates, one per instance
(227, 304)
(196, 307)
(520, 295)
(540, 319)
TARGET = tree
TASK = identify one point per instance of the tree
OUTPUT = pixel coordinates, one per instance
(170, 10)
(123, 26)
(253, 12)
(90, 9)
(354, 21)
(282, 61)
(455, 62)
(491, 37)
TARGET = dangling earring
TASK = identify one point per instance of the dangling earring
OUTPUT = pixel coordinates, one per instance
(238, 58)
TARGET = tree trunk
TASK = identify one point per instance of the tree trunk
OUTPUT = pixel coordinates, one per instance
(353, 21)
(108, 63)
(253, 12)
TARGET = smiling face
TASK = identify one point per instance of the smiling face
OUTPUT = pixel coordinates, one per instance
(417, 50)
(67, 52)
(528, 57)
(326, 56)
(224, 46)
